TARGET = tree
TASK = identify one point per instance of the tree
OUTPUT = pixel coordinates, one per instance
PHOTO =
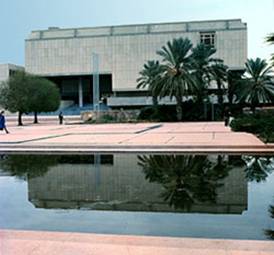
(270, 39)
(234, 79)
(15, 94)
(177, 79)
(24, 93)
(201, 61)
(257, 85)
(219, 73)
(208, 69)
(45, 96)
(150, 78)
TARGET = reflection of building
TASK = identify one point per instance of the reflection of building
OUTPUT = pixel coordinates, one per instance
(64, 55)
(121, 185)
(3, 173)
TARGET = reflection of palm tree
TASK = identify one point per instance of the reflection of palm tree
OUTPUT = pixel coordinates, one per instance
(186, 179)
(269, 232)
(30, 165)
(258, 168)
(271, 211)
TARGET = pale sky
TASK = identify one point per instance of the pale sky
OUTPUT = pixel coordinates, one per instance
(19, 17)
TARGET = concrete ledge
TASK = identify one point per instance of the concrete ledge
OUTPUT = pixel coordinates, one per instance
(82, 149)
(139, 137)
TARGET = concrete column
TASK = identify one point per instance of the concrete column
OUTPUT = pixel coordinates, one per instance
(80, 92)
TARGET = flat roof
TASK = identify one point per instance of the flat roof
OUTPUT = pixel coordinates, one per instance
(184, 26)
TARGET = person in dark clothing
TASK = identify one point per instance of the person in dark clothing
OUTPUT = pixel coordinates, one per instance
(61, 117)
(3, 122)
(227, 115)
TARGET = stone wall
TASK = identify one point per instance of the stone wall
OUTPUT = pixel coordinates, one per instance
(111, 116)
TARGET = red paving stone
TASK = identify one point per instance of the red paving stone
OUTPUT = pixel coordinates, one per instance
(199, 136)
(40, 243)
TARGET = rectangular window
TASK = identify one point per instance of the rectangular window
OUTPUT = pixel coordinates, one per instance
(208, 38)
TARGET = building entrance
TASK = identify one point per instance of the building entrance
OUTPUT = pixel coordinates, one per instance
(79, 89)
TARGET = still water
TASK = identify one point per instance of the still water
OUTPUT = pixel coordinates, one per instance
(210, 196)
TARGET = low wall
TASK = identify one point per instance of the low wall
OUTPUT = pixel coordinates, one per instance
(111, 115)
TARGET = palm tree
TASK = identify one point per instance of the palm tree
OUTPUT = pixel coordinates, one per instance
(150, 77)
(257, 86)
(201, 60)
(234, 79)
(219, 73)
(177, 79)
(270, 39)
(208, 69)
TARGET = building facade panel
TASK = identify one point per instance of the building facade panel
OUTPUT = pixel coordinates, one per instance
(123, 50)
(7, 69)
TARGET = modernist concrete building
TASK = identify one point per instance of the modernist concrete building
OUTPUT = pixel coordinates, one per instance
(6, 70)
(65, 55)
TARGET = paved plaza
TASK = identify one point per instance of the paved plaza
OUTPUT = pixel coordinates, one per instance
(151, 137)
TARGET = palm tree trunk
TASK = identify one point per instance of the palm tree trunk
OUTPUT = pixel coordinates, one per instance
(35, 118)
(253, 108)
(20, 123)
(220, 93)
(179, 108)
(154, 100)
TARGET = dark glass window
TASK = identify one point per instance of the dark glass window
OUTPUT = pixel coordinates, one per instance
(208, 38)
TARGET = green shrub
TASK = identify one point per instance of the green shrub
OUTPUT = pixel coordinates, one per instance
(261, 123)
(192, 111)
(158, 113)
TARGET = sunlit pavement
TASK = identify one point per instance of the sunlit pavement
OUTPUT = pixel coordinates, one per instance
(40, 243)
(151, 137)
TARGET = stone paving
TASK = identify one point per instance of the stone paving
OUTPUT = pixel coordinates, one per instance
(167, 137)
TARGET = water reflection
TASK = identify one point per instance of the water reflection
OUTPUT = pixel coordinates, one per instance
(27, 166)
(258, 168)
(186, 179)
(128, 182)
(269, 233)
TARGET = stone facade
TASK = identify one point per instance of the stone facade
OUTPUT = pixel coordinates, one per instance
(6, 69)
(123, 50)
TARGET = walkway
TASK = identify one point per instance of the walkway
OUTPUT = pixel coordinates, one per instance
(151, 137)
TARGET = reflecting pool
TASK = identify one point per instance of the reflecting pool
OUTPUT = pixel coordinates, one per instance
(210, 196)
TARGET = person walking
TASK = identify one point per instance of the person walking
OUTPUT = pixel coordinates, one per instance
(61, 117)
(3, 122)
(227, 115)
